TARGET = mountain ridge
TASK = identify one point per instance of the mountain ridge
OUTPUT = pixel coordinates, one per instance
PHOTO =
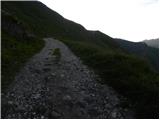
(152, 42)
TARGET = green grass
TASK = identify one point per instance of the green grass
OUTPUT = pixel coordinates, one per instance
(15, 52)
(57, 52)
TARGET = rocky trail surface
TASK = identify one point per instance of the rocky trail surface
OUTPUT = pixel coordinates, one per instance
(60, 87)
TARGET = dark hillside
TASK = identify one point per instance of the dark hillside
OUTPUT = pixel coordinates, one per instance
(140, 49)
(36, 14)
(18, 45)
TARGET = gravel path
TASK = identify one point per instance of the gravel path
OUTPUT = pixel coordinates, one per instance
(52, 87)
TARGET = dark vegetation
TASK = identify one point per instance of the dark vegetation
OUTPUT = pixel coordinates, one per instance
(57, 54)
(140, 49)
(17, 47)
(126, 66)
(130, 76)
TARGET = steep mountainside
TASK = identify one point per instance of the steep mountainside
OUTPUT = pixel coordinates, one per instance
(121, 64)
(153, 43)
(36, 14)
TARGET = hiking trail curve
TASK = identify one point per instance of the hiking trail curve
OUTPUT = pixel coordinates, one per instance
(52, 87)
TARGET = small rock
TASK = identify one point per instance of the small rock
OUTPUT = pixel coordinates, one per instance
(36, 96)
(9, 116)
(34, 113)
(19, 116)
(67, 98)
(10, 102)
(47, 89)
(53, 74)
(33, 75)
(55, 114)
(13, 115)
(42, 117)
(93, 95)
(107, 98)
(12, 94)
(26, 106)
(62, 75)
(114, 115)
(20, 107)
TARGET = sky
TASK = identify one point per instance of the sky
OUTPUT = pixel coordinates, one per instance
(133, 20)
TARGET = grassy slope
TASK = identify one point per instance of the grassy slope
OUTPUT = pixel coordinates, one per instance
(131, 76)
(14, 54)
(115, 67)
(142, 50)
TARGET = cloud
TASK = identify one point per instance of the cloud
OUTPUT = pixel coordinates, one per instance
(149, 2)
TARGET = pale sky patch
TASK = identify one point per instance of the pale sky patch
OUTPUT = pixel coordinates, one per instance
(133, 20)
